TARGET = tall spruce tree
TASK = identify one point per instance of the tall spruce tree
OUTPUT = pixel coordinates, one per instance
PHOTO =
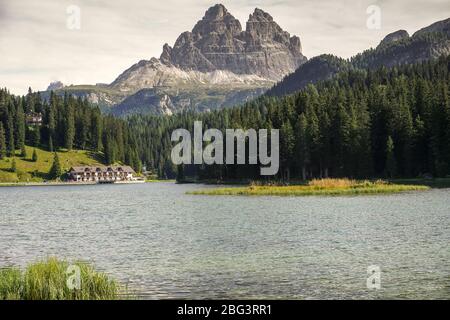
(110, 150)
(23, 151)
(55, 170)
(13, 165)
(20, 126)
(50, 144)
(69, 125)
(302, 149)
(2, 142)
(36, 136)
(10, 136)
(34, 157)
(391, 165)
(96, 132)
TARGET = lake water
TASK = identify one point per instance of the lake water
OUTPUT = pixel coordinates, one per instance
(163, 243)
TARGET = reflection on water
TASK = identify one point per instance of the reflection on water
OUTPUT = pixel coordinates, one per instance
(166, 244)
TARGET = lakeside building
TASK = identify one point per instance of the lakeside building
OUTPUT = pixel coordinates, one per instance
(34, 119)
(101, 174)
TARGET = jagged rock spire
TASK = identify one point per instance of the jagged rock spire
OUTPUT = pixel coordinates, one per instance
(217, 42)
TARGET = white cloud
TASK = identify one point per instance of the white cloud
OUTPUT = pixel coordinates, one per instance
(36, 47)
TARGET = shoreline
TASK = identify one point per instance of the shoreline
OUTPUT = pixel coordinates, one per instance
(433, 183)
(46, 184)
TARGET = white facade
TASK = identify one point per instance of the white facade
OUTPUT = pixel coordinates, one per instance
(98, 174)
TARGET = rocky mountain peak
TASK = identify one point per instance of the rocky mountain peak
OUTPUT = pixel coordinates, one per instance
(217, 42)
(218, 20)
(394, 37)
(165, 55)
(262, 28)
(217, 12)
(260, 16)
(442, 26)
(55, 85)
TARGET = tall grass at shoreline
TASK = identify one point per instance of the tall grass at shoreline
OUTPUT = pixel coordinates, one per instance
(47, 280)
(325, 187)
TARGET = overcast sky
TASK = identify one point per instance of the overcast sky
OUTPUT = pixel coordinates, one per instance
(37, 47)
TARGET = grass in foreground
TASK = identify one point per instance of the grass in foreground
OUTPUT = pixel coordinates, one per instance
(326, 187)
(47, 280)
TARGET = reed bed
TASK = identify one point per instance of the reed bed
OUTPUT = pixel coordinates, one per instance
(324, 187)
(47, 280)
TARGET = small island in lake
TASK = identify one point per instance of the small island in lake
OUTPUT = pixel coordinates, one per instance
(324, 187)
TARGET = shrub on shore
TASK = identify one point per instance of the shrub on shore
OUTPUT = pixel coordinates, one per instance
(47, 280)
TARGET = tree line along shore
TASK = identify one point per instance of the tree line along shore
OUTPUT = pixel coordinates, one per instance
(362, 124)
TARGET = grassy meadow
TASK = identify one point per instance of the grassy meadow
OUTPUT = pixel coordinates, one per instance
(29, 171)
(47, 280)
(321, 187)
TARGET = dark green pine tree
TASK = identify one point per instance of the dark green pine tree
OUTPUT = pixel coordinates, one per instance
(391, 166)
(313, 140)
(30, 101)
(96, 132)
(50, 144)
(70, 126)
(302, 151)
(55, 171)
(83, 125)
(10, 150)
(119, 142)
(287, 145)
(2, 142)
(13, 165)
(110, 150)
(23, 151)
(20, 127)
(136, 162)
(34, 157)
(51, 122)
(36, 136)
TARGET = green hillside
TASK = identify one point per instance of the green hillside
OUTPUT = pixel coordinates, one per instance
(29, 171)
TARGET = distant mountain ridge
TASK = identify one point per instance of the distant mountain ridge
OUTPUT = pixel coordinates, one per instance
(218, 64)
(397, 48)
